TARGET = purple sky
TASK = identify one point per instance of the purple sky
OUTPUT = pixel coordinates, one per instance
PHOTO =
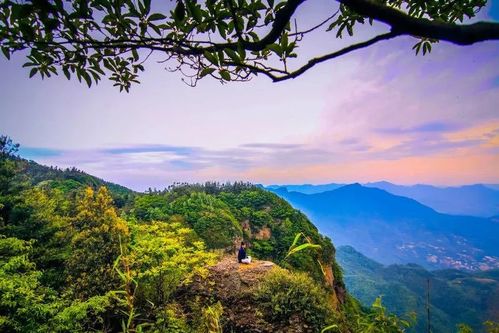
(378, 114)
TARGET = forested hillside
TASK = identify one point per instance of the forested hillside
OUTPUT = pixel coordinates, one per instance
(455, 296)
(73, 260)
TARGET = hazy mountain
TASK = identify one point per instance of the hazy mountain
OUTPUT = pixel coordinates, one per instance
(475, 200)
(395, 229)
(492, 186)
(308, 188)
(455, 296)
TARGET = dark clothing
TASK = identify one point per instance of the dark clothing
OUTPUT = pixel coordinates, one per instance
(241, 255)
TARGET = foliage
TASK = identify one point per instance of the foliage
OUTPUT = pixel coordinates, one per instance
(7, 172)
(463, 328)
(227, 40)
(171, 320)
(219, 212)
(42, 216)
(211, 318)
(379, 321)
(24, 303)
(283, 295)
(83, 316)
(209, 217)
(95, 245)
(7, 146)
(491, 326)
(164, 256)
(295, 248)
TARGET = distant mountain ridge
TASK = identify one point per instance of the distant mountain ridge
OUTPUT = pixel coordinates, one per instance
(480, 200)
(308, 188)
(396, 229)
(475, 200)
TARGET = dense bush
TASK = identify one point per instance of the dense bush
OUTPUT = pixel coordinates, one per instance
(284, 295)
(209, 217)
(24, 302)
(163, 256)
(95, 245)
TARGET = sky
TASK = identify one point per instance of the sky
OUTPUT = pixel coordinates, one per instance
(381, 113)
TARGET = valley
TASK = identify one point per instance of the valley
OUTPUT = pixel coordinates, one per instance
(396, 229)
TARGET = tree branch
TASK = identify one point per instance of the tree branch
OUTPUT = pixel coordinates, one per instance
(311, 63)
(315, 27)
(282, 17)
(465, 34)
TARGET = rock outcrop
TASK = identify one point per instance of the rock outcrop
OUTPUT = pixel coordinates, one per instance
(233, 285)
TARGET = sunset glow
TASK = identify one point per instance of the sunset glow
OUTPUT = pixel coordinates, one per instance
(379, 114)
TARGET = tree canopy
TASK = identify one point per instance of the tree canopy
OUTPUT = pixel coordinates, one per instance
(229, 40)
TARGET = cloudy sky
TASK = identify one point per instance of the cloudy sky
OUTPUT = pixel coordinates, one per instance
(378, 114)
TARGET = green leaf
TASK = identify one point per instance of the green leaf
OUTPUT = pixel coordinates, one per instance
(87, 78)
(233, 55)
(377, 303)
(241, 50)
(276, 48)
(66, 72)
(295, 241)
(6, 52)
(224, 74)
(195, 11)
(328, 328)
(156, 17)
(206, 71)
(180, 11)
(147, 4)
(32, 72)
(301, 248)
(211, 57)
(284, 40)
(135, 54)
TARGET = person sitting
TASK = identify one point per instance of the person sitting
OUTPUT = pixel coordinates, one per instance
(241, 256)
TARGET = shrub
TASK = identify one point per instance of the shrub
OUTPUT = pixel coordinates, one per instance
(171, 320)
(284, 295)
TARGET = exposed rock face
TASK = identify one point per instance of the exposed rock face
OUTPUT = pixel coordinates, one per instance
(245, 225)
(263, 234)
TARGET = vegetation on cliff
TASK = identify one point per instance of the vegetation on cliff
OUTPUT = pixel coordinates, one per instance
(73, 260)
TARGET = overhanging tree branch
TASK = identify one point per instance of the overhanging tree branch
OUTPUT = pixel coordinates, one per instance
(311, 63)
(465, 34)
(225, 39)
(273, 73)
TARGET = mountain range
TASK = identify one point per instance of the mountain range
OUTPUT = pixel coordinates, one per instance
(475, 200)
(396, 229)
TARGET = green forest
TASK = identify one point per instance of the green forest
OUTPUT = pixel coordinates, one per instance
(456, 296)
(78, 254)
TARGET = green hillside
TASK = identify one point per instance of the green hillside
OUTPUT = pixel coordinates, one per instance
(455, 296)
(73, 260)
(68, 180)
